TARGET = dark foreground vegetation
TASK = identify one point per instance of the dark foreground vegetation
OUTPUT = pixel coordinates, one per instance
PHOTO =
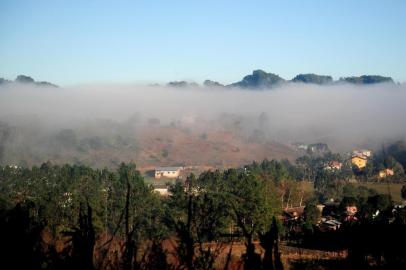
(76, 217)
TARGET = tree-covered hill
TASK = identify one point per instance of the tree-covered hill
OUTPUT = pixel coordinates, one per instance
(259, 79)
(367, 79)
(23, 79)
(313, 78)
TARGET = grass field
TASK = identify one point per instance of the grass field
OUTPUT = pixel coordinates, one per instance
(307, 187)
(383, 188)
(391, 188)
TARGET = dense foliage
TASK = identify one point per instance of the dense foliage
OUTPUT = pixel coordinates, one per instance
(91, 212)
(367, 79)
(259, 79)
(23, 79)
(313, 78)
(71, 216)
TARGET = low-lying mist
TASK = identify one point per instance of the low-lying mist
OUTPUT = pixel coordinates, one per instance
(37, 123)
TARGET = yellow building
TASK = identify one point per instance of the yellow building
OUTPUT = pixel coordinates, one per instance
(385, 173)
(359, 161)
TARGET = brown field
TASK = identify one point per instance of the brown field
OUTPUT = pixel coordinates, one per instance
(169, 146)
(199, 147)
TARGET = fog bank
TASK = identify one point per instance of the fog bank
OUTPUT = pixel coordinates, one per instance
(342, 115)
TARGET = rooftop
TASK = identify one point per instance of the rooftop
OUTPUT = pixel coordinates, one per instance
(168, 168)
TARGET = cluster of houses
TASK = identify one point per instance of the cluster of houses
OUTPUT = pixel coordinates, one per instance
(359, 160)
(331, 218)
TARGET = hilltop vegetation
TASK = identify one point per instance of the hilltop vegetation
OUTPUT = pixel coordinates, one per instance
(259, 79)
(23, 79)
(398, 151)
(367, 79)
(313, 78)
(262, 80)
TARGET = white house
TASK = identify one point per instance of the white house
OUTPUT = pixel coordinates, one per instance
(362, 152)
(168, 172)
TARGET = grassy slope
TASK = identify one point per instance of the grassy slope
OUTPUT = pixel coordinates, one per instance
(166, 146)
(394, 189)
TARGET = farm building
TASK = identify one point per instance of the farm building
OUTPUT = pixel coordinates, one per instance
(333, 165)
(385, 173)
(168, 172)
(362, 152)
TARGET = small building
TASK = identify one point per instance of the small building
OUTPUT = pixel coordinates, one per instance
(330, 225)
(293, 213)
(362, 152)
(318, 148)
(385, 173)
(351, 209)
(333, 166)
(301, 146)
(168, 172)
(359, 161)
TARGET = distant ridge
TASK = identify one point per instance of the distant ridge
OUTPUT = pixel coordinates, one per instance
(258, 80)
(313, 78)
(367, 79)
(23, 79)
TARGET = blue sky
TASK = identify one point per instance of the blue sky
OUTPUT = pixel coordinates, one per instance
(73, 42)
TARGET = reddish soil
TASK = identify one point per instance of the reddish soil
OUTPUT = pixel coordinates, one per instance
(168, 146)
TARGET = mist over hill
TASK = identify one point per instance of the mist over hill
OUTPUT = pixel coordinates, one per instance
(259, 79)
(102, 125)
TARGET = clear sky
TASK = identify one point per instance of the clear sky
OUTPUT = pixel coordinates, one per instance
(72, 42)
